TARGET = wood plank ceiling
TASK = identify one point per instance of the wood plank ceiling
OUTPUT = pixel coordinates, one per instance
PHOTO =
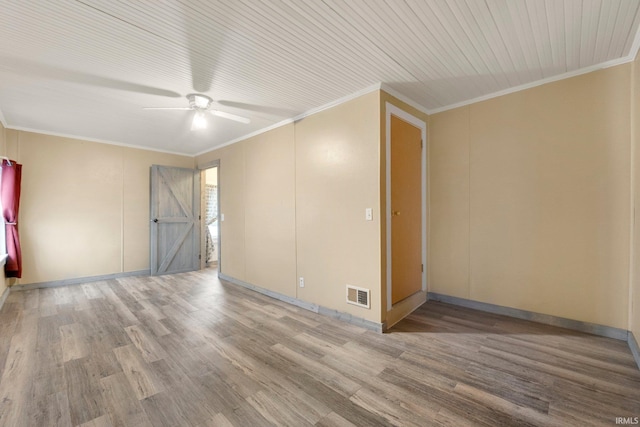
(86, 68)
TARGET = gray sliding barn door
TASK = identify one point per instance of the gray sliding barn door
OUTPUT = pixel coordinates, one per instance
(175, 219)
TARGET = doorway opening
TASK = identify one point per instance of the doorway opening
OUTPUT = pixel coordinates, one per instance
(211, 222)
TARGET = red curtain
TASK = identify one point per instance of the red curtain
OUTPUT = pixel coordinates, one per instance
(10, 196)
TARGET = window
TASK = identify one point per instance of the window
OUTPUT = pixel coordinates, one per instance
(10, 183)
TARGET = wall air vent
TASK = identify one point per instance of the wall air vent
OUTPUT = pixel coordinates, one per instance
(358, 296)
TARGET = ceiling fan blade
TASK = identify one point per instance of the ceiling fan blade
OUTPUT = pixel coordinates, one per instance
(167, 108)
(25, 66)
(204, 48)
(230, 116)
(275, 111)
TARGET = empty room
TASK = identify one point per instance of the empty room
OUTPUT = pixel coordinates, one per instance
(319, 213)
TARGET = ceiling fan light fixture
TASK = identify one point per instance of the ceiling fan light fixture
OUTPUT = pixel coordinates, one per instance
(199, 101)
(201, 107)
(199, 121)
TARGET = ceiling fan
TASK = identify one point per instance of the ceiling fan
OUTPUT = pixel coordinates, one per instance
(201, 104)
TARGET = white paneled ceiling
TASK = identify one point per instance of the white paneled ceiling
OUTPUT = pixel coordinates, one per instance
(87, 68)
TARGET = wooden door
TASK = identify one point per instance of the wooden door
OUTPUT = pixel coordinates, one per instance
(175, 216)
(406, 209)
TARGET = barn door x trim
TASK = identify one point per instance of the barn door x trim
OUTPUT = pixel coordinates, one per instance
(392, 110)
(175, 212)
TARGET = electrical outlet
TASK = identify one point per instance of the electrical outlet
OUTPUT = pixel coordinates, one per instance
(221, 217)
(302, 282)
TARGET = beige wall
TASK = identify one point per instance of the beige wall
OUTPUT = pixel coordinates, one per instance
(294, 200)
(232, 197)
(530, 199)
(84, 206)
(270, 239)
(634, 291)
(257, 198)
(337, 175)
(449, 205)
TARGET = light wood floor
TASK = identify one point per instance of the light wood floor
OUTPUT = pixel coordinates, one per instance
(186, 350)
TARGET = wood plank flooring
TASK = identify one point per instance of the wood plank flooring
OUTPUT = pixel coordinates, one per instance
(188, 350)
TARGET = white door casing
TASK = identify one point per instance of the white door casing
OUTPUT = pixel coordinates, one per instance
(392, 110)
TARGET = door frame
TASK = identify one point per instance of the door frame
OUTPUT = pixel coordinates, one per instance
(203, 168)
(392, 110)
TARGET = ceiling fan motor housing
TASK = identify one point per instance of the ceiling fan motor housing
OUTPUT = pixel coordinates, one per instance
(199, 102)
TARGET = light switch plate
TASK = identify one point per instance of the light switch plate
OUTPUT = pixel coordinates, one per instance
(221, 217)
(368, 214)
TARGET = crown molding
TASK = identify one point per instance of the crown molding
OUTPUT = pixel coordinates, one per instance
(536, 83)
(299, 117)
(391, 91)
(97, 140)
